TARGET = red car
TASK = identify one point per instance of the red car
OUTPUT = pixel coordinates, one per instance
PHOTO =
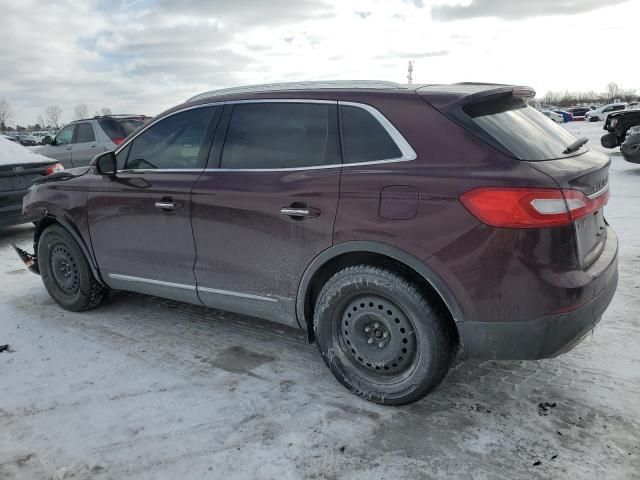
(396, 225)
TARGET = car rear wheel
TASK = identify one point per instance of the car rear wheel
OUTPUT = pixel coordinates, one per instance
(382, 337)
(66, 273)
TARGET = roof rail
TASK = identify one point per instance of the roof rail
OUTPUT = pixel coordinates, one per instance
(319, 85)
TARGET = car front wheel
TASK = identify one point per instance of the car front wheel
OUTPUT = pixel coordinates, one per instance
(381, 336)
(65, 271)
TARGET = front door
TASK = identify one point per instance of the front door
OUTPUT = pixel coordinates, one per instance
(84, 147)
(60, 148)
(268, 211)
(140, 221)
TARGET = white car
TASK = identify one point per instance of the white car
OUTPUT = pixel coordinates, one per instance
(556, 117)
(601, 113)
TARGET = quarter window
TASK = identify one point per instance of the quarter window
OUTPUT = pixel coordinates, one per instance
(85, 133)
(174, 142)
(65, 135)
(280, 135)
(364, 139)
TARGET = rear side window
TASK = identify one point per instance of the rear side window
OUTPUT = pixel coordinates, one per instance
(523, 131)
(174, 142)
(280, 135)
(119, 128)
(364, 139)
(84, 133)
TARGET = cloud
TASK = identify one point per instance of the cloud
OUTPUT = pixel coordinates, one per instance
(517, 9)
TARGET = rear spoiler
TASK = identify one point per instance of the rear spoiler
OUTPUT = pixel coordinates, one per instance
(451, 96)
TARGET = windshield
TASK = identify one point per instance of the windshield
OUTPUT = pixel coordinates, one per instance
(521, 129)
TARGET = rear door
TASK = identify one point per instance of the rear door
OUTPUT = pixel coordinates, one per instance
(269, 209)
(140, 221)
(84, 146)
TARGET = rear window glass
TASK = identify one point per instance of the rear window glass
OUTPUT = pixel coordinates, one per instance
(521, 129)
(363, 137)
(84, 133)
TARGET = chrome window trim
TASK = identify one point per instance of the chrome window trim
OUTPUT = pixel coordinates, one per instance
(128, 278)
(408, 154)
(236, 294)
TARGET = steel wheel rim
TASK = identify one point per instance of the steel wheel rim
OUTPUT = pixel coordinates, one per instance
(377, 338)
(64, 269)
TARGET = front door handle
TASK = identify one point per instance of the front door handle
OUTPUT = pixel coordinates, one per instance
(299, 212)
(167, 205)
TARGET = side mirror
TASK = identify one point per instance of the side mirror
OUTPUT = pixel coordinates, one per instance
(47, 140)
(106, 164)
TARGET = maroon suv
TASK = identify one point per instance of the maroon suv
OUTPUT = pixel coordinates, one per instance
(394, 224)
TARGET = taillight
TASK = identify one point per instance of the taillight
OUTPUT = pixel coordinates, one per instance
(55, 168)
(117, 140)
(530, 207)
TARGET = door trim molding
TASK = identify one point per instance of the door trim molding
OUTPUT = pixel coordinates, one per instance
(129, 278)
(183, 286)
(232, 293)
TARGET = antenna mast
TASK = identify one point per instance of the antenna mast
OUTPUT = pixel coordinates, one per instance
(410, 72)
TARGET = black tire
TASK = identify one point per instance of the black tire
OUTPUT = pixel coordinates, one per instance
(414, 339)
(66, 272)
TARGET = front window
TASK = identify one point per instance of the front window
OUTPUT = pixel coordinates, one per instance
(172, 143)
(65, 135)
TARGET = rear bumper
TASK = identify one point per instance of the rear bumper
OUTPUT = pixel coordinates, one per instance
(11, 211)
(550, 335)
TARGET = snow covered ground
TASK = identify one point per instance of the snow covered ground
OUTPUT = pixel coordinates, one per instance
(145, 388)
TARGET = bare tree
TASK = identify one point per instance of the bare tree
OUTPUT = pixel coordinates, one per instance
(80, 112)
(53, 114)
(105, 111)
(612, 91)
(5, 112)
(41, 121)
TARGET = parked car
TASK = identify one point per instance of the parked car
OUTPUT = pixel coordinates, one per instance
(630, 148)
(394, 224)
(566, 116)
(556, 117)
(618, 124)
(601, 113)
(10, 138)
(578, 113)
(77, 143)
(18, 168)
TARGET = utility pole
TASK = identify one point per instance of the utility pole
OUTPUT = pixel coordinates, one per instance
(410, 72)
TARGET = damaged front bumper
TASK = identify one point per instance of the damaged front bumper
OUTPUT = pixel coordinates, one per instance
(29, 259)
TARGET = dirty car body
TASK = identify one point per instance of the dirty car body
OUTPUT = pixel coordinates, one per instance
(401, 187)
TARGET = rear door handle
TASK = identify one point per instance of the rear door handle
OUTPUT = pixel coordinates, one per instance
(300, 212)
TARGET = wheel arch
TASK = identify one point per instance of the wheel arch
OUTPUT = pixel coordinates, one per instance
(352, 253)
(48, 220)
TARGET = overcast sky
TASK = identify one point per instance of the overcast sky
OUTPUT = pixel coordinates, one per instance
(142, 56)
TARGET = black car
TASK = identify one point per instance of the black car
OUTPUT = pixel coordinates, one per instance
(578, 112)
(630, 148)
(17, 171)
(618, 124)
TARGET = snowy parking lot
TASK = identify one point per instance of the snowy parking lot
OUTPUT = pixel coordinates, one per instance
(145, 388)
